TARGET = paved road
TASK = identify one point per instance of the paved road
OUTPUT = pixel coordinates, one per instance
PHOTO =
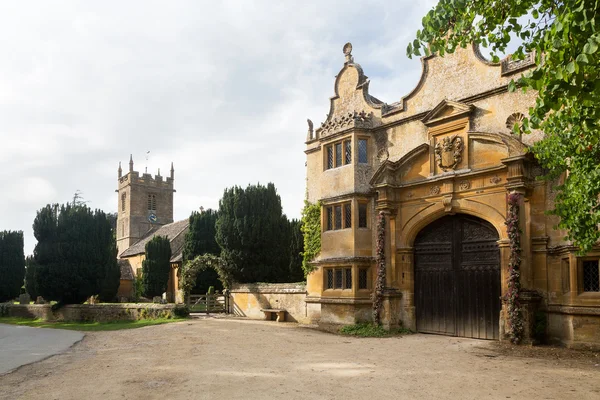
(20, 345)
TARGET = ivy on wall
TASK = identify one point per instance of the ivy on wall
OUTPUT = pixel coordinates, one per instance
(311, 232)
(380, 280)
(515, 312)
(192, 268)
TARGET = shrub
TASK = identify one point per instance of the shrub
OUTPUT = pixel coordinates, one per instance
(156, 266)
(181, 311)
(12, 264)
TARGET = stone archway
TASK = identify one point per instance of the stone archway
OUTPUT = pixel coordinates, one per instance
(457, 277)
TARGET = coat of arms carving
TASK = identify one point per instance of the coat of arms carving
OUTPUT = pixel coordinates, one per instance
(448, 152)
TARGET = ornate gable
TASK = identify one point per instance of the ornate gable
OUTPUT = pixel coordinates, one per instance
(352, 106)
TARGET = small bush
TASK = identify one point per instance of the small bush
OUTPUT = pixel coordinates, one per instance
(367, 329)
(181, 311)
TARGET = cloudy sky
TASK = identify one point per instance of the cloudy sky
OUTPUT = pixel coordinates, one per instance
(221, 88)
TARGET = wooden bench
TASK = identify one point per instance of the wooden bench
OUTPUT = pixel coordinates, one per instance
(269, 311)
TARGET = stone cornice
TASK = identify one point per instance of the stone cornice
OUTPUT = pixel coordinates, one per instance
(343, 260)
(338, 300)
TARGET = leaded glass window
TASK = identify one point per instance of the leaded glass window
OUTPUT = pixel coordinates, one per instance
(338, 154)
(591, 276)
(348, 278)
(347, 216)
(362, 151)
(329, 279)
(362, 215)
(347, 152)
(329, 157)
(338, 217)
(362, 278)
(329, 218)
(338, 278)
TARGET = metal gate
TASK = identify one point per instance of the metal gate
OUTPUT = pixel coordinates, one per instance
(457, 278)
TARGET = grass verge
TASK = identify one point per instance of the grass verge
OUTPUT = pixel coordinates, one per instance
(371, 330)
(88, 326)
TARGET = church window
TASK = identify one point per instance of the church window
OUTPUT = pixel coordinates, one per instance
(339, 154)
(362, 151)
(123, 197)
(591, 275)
(151, 202)
(362, 215)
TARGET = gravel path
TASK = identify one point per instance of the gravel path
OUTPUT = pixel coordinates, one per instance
(242, 359)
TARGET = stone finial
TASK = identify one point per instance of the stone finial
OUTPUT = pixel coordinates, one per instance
(310, 134)
(159, 172)
(348, 53)
(131, 163)
(172, 171)
(120, 170)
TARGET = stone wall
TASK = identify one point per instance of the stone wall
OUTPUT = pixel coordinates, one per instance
(248, 299)
(89, 312)
(575, 327)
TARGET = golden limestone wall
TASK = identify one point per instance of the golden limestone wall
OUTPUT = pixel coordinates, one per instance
(447, 148)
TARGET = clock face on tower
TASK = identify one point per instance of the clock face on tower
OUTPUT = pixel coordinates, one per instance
(152, 218)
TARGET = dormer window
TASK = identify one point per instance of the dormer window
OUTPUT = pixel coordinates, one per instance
(151, 202)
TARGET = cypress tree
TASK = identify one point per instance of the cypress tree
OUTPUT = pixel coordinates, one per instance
(252, 232)
(200, 240)
(75, 252)
(296, 247)
(156, 266)
(12, 264)
(30, 273)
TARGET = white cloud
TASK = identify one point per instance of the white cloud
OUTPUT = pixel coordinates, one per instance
(223, 89)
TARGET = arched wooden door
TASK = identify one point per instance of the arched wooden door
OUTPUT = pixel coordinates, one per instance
(457, 278)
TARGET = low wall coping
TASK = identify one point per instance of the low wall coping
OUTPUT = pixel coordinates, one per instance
(97, 306)
(283, 288)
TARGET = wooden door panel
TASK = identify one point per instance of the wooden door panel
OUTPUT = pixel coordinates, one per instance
(457, 278)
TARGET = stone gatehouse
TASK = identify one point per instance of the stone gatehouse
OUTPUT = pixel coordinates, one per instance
(440, 164)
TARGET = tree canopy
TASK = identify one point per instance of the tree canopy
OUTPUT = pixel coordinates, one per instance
(564, 36)
(12, 264)
(156, 266)
(254, 234)
(76, 254)
(200, 240)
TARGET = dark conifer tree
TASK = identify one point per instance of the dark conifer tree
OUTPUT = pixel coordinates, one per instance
(30, 273)
(12, 264)
(75, 255)
(156, 266)
(252, 233)
(200, 240)
(296, 274)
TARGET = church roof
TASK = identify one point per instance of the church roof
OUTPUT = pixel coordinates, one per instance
(175, 231)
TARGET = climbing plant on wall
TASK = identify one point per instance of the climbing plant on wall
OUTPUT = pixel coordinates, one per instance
(192, 268)
(515, 312)
(380, 280)
(311, 231)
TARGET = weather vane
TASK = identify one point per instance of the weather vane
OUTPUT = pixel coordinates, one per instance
(148, 152)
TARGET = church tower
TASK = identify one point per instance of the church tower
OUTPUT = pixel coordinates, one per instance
(144, 204)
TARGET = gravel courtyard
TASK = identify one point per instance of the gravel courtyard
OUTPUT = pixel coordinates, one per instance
(216, 358)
